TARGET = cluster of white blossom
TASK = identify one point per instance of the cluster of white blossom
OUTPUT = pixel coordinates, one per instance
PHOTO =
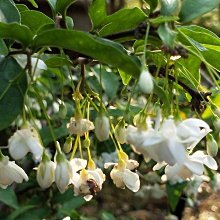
(166, 141)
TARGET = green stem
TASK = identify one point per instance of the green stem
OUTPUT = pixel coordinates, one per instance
(145, 45)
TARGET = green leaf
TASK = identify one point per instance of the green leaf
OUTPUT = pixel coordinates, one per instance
(199, 34)
(35, 19)
(22, 7)
(8, 197)
(213, 58)
(167, 35)
(3, 48)
(91, 46)
(152, 3)
(69, 22)
(16, 32)
(194, 8)
(13, 84)
(8, 12)
(169, 7)
(97, 13)
(163, 19)
(125, 77)
(188, 71)
(174, 192)
(33, 3)
(57, 61)
(107, 216)
(52, 4)
(122, 20)
(62, 6)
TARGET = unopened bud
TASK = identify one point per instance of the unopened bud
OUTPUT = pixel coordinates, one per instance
(87, 142)
(68, 145)
(62, 110)
(212, 146)
(102, 128)
(120, 132)
(216, 124)
(146, 82)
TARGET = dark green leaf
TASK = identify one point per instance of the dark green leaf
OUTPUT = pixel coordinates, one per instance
(92, 46)
(13, 84)
(8, 12)
(62, 6)
(8, 197)
(167, 35)
(125, 77)
(152, 3)
(35, 19)
(213, 58)
(33, 3)
(169, 7)
(69, 22)
(57, 61)
(52, 4)
(194, 8)
(3, 48)
(174, 192)
(163, 19)
(97, 12)
(16, 32)
(122, 20)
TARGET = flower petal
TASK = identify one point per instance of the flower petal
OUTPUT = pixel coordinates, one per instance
(131, 180)
(77, 164)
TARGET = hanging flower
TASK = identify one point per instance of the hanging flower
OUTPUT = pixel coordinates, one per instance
(193, 165)
(80, 126)
(89, 181)
(146, 82)
(122, 175)
(24, 141)
(10, 172)
(102, 127)
(120, 132)
(63, 172)
(46, 172)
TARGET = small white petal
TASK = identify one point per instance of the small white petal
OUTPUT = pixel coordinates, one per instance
(131, 180)
(78, 164)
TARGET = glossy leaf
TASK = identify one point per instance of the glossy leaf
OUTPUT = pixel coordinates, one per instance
(57, 61)
(163, 19)
(8, 197)
(16, 32)
(8, 12)
(35, 19)
(122, 20)
(22, 7)
(3, 48)
(91, 46)
(97, 12)
(13, 84)
(33, 3)
(169, 7)
(194, 8)
(52, 4)
(125, 77)
(62, 6)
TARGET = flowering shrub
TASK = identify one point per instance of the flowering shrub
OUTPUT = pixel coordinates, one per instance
(131, 85)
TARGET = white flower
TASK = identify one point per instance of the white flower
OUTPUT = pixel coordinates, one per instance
(146, 82)
(79, 126)
(88, 182)
(193, 165)
(77, 164)
(102, 127)
(46, 172)
(10, 172)
(24, 141)
(122, 175)
(63, 172)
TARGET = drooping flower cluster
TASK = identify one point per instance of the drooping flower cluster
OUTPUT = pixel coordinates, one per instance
(168, 143)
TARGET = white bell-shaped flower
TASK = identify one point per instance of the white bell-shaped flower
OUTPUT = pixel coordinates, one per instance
(79, 126)
(146, 82)
(24, 141)
(193, 165)
(10, 172)
(102, 127)
(46, 172)
(63, 172)
(122, 175)
(89, 181)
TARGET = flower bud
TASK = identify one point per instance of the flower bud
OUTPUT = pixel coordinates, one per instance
(68, 145)
(62, 110)
(212, 146)
(46, 172)
(102, 127)
(120, 132)
(146, 82)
